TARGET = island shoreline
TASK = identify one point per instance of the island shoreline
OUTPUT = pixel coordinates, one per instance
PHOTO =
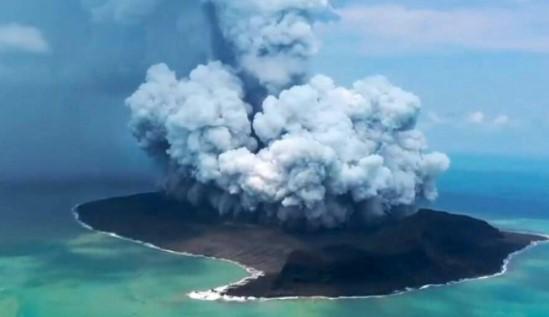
(217, 294)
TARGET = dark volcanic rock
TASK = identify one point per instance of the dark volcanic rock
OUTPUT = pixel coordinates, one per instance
(428, 247)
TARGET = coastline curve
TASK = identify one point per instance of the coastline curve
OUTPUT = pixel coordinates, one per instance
(218, 293)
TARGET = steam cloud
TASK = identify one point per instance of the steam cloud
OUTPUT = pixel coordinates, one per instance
(271, 40)
(308, 152)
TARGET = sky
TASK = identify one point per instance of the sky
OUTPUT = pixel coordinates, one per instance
(480, 67)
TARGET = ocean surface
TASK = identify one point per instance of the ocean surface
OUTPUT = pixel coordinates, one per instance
(52, 267)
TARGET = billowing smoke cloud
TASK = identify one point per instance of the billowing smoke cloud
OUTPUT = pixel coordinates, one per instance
(270, 40)
(310, 152)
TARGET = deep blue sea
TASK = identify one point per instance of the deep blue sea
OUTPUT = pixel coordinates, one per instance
(51, 267)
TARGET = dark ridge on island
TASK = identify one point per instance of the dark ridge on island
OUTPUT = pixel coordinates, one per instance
(428, 247)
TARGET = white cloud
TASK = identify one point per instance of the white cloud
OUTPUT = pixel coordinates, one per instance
(465, 120)
(477, 117)
(480, 118)
(396, 28)
(17, 37)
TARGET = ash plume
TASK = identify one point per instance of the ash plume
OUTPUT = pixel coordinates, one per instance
(304, 150)
(271, 40)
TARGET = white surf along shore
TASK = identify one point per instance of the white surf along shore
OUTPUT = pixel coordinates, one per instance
(218, 293)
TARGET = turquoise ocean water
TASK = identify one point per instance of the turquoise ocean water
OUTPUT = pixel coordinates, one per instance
(51, 267)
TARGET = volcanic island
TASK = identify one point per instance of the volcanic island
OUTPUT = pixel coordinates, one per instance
(426, 248)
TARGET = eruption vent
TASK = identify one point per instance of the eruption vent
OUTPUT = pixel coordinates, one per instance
(251, 135)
